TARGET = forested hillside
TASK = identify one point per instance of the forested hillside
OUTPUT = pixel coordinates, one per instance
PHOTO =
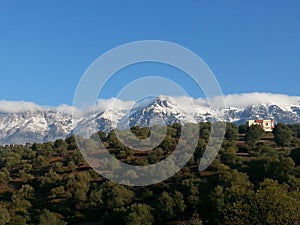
(255, 179)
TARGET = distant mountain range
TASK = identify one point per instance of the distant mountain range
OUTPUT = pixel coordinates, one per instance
(25, 122)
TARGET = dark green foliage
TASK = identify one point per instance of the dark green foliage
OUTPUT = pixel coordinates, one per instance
(231, 132)
(274, 204)
(100, 136)
(205, 129)
(228, 154)
(271, 203)
(295, 128)
(253, 134)
(4, 175)
(51, 183)
(115, 195)
(140, 132)
(4, 216)
(295, 155)
(166, 205)
(179, 202)
(50, 218)
(282, 135)
(139, 214)
(243, 128)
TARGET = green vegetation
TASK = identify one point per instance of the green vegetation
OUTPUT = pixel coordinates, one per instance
(253, 134)
(255, 179)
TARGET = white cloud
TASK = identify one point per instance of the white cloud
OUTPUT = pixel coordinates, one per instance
(183, 102)
(18, 106)
(187, 103)
(101, 105)
(247, 99)
(234, 100)
(113, 103)
(68, 110)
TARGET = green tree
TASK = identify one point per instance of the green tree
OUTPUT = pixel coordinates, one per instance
(4, 216)
(17, 220)
(50, 178)
(243, 128)
(60, 143)
(139, 214)
(114, 142)
(230, 177)
(60, 147)
(12, 159)
(71, 141)
(276, 167)
(4, 175)
(231, 132)
(40, 162)
(140, 132)
(51, 218)
(295, 155)
(205, 129)
(229, 154)
(169, 143)
(81, 188)
(21, 200)
(153, 157)
(166, 204)
(77, 157)
(282, 135)
(195, 220)
(115, 195)
(25, 176)
(71, 165)
(230, 199)
(253, 135)
(58, 167)
(44, 149)
(231, 205)
(179, 202)
(191, 191)
(96, 198)
(273, 204)
(59, 193)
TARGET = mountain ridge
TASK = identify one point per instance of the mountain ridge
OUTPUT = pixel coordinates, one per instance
(41, 124)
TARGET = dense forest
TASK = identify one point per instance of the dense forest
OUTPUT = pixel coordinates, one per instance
(255, 179)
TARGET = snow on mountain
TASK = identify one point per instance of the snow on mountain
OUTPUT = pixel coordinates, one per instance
(22, 122)
(34, 126)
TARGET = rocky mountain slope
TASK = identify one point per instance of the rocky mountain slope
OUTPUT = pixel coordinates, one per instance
(41, 124)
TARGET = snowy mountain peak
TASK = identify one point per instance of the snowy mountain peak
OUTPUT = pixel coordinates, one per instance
(161, 101)
(22, 122)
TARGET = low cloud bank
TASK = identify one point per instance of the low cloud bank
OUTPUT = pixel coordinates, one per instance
(247, 99)
(18, 106)
(184, 102)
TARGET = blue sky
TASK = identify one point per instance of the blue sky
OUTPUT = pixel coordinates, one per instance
(45, 46)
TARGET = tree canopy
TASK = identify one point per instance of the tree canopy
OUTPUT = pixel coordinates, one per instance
(254, 179)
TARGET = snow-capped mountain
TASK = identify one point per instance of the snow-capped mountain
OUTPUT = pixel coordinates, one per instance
(22, 122)
(34, 126)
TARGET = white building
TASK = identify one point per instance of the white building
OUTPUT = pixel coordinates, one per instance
(267, 125)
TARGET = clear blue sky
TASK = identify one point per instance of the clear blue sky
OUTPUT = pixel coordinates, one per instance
(45, 46)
